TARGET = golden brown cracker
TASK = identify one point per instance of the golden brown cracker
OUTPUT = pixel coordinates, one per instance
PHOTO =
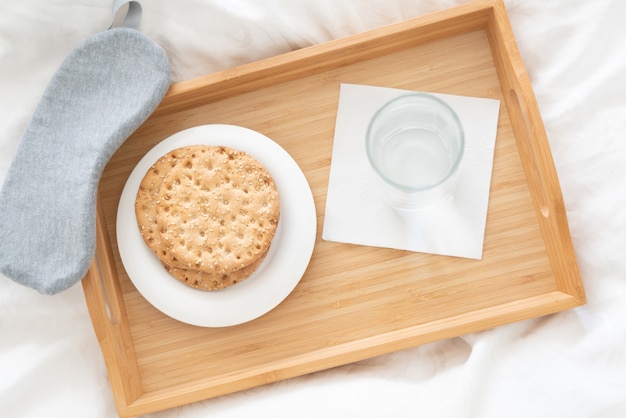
(218, 209)
(209, 209)
(214, 281)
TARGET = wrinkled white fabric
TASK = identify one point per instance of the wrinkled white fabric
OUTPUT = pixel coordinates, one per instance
(571, 364)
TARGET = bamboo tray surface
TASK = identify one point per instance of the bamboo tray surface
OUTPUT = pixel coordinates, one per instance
(353, 302)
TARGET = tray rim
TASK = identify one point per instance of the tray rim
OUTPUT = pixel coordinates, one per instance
(103, 291)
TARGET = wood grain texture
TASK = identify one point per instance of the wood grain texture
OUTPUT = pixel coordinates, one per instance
(353, 302)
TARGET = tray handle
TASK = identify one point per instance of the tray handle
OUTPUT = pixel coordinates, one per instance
(108, 315)
(532, 142)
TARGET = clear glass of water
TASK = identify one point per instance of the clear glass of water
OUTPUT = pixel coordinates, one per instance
(415, 144)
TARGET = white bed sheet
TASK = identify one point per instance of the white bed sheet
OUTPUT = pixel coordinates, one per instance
(571, 364)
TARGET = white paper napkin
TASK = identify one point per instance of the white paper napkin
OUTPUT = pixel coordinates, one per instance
(356, 212)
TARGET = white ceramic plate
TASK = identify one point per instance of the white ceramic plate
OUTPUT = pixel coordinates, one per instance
(278, 274)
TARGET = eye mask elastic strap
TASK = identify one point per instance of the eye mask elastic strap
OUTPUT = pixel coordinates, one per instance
(133, 13)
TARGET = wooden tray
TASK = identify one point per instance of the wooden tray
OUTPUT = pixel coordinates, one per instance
(353, 302)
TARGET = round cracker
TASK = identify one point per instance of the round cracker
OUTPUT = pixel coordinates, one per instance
(214, 281)
(218, 210)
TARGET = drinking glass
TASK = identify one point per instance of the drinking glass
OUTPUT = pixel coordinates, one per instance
(415, 144)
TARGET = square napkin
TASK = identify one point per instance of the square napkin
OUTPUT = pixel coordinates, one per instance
(356, 211)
